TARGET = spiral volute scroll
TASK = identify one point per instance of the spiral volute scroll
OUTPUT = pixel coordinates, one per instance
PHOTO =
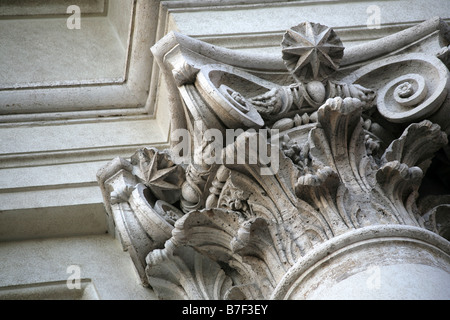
(410, 87)
(410, 90)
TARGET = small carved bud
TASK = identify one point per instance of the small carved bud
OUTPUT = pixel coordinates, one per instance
(222, 174)
(211, 201)
(297, 120)
(189, 193)
(316, 91)
(283, 124)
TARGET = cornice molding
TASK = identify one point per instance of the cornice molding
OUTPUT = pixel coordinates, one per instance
(123, 96)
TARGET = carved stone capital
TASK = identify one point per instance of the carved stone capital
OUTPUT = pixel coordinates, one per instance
(337, 166)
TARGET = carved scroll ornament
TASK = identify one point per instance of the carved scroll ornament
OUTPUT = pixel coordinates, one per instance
(361, 141)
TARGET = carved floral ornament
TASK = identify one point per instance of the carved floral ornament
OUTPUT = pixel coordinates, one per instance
(360, 142)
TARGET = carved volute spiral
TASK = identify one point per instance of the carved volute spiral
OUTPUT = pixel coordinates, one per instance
(355, 144)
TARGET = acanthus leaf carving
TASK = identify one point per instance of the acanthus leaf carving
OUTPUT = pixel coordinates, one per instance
(417, 144)
(405, 162)
(184, 274)
(436, 214)
(344, 149)
(212, 233)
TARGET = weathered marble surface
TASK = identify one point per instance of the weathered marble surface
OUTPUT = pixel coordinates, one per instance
(357, 178)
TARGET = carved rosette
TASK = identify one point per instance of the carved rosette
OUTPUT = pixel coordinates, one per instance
(312, 51)
(350, 175)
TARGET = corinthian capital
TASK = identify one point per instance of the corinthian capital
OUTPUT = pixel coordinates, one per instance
(340, 166)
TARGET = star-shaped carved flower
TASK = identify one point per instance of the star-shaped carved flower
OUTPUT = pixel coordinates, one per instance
(312, 51)
(160, 174)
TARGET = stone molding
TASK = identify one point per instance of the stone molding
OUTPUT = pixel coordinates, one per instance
(358, 136)
(398, 245)
(81, 82)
